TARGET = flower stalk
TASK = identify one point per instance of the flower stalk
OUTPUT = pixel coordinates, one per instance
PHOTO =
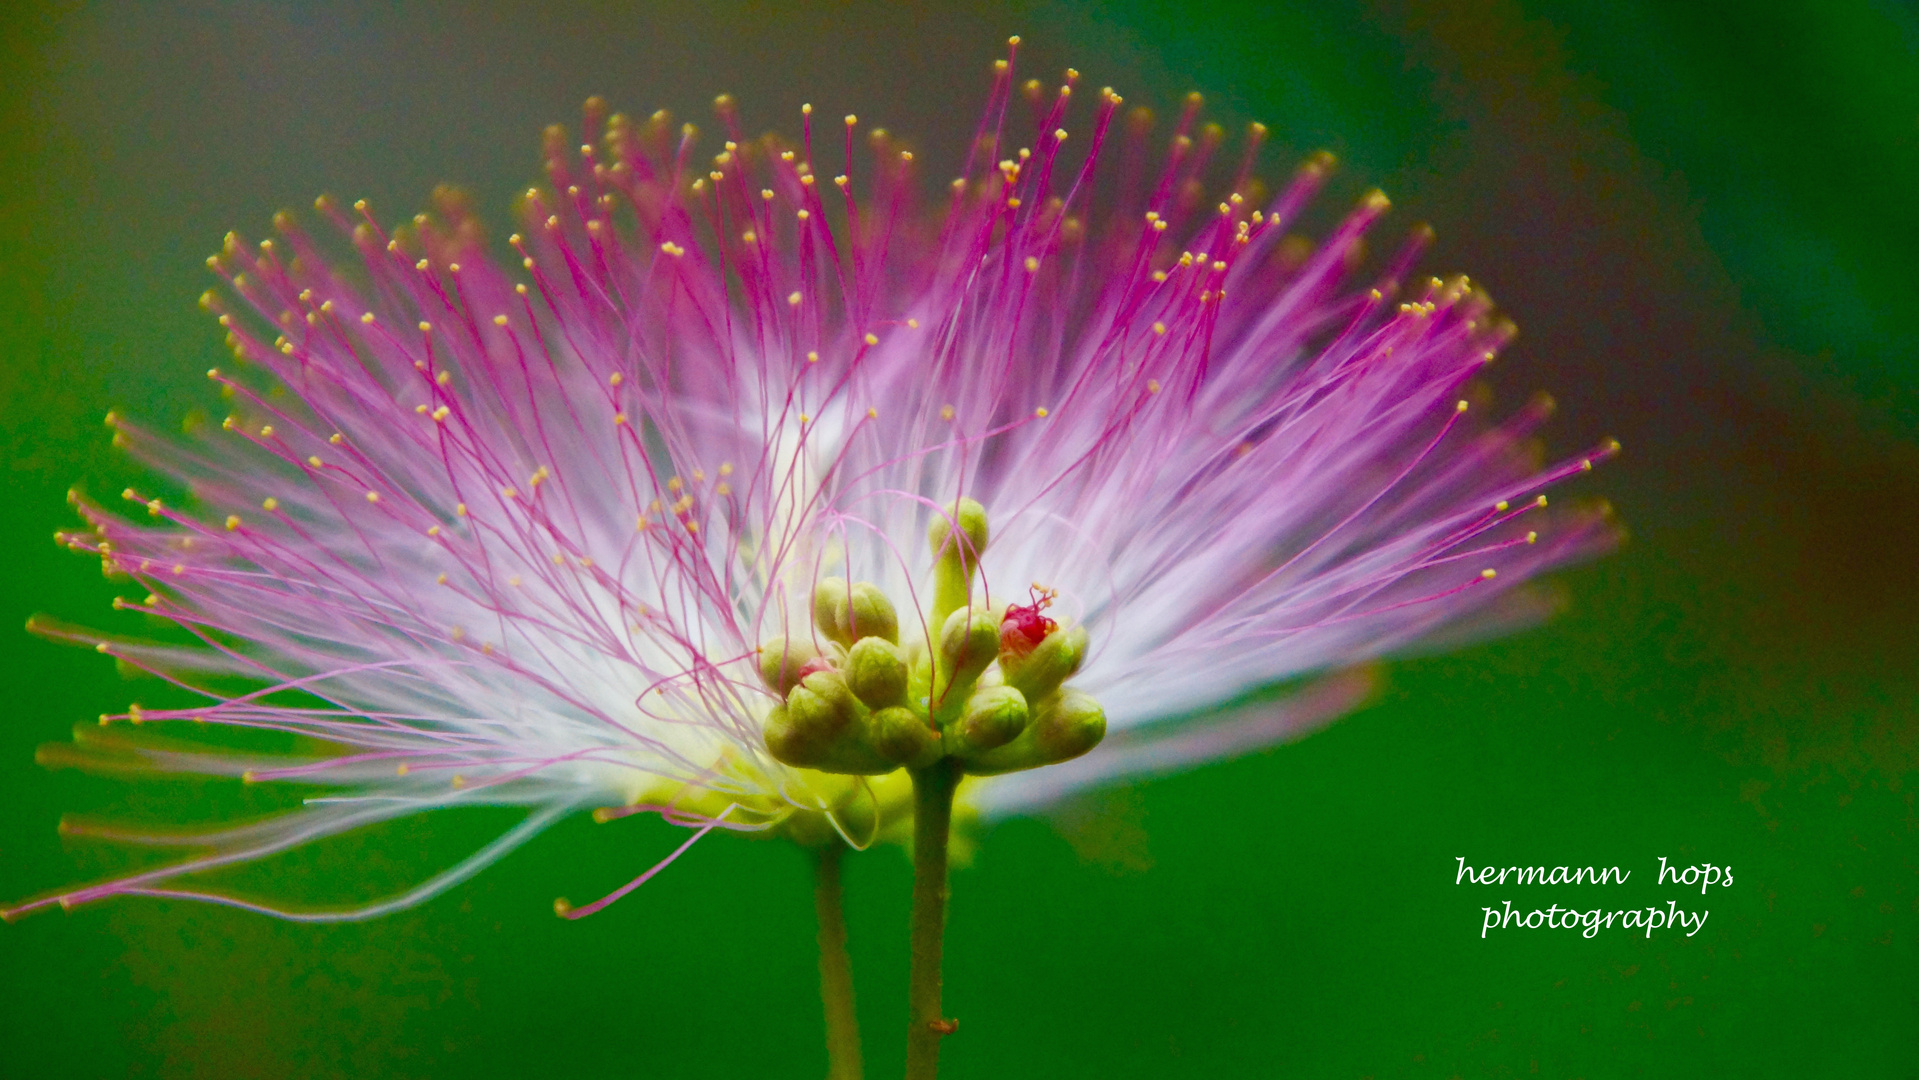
(836, 968)
(933, 789)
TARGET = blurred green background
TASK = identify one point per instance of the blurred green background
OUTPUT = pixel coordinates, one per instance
(1703, 217)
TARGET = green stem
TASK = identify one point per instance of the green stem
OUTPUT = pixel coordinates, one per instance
(836, 968)
(933, 789)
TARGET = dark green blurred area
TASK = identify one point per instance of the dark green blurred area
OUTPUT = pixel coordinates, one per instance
(1703, 217)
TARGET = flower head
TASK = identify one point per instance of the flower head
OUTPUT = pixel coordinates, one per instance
(688, 508)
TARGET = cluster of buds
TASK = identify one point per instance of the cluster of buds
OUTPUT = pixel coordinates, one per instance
(988, 690)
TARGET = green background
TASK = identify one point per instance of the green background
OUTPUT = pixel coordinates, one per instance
(1704, 218)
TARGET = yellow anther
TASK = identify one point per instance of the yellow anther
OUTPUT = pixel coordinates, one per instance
(872, 339)
(433, 530)
(372, 496)
(1152, 386)
(1532, 537)
(367, 318)
(1500, 506)
(266, 432)
(1159, 328)
(1489, 574)
(1040, 412)
(440, 414)
(946, 412)
(812, 357)
(619, 418)
(233, 522)
(314, 460)
(1461, 407)
(793, 297)
(270, 504)
(425, 327)
(615, 379)
(1032, 263)
(499, 320)
(459, 509)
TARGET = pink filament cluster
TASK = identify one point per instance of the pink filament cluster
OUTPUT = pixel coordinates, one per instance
(511, 533)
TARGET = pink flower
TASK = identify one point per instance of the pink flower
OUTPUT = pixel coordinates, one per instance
(516, 533)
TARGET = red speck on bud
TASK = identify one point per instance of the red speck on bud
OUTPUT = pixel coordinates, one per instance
(1023, 627)
(817, 664)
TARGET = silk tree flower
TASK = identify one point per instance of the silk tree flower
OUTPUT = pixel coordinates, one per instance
(565, 532)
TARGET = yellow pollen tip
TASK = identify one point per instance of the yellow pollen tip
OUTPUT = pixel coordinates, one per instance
(793, 298)
(1500, 505)
(1040, 412)
(401, 770)
(372, 496)
(1532, 537)
(270, 504)
(1488, 574)
(499, 320)
(872, 339)
(812, 357)
(1461, 407)
(233, 522)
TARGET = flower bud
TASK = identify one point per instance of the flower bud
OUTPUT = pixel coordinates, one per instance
(994, 716)
(968, 642)
(1046, 665)
(902, 736)
(823, 726)
(957, 536)
(1064, 726)
(876, 672)
(783, 663)
(848, 614)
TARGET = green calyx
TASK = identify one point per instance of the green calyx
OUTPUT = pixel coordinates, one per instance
(986, 690)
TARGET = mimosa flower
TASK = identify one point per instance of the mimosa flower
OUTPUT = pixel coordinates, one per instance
(577, 530)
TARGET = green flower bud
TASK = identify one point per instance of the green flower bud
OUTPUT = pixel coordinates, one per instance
(1064, 726)
(876, 672)
(824, 727)
(993, 716)
(849, 614)
(1050, 663)
(781, 660)
(902, 736)
(789, 742)
(957, 536)
(968, 642)
(823, 698)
